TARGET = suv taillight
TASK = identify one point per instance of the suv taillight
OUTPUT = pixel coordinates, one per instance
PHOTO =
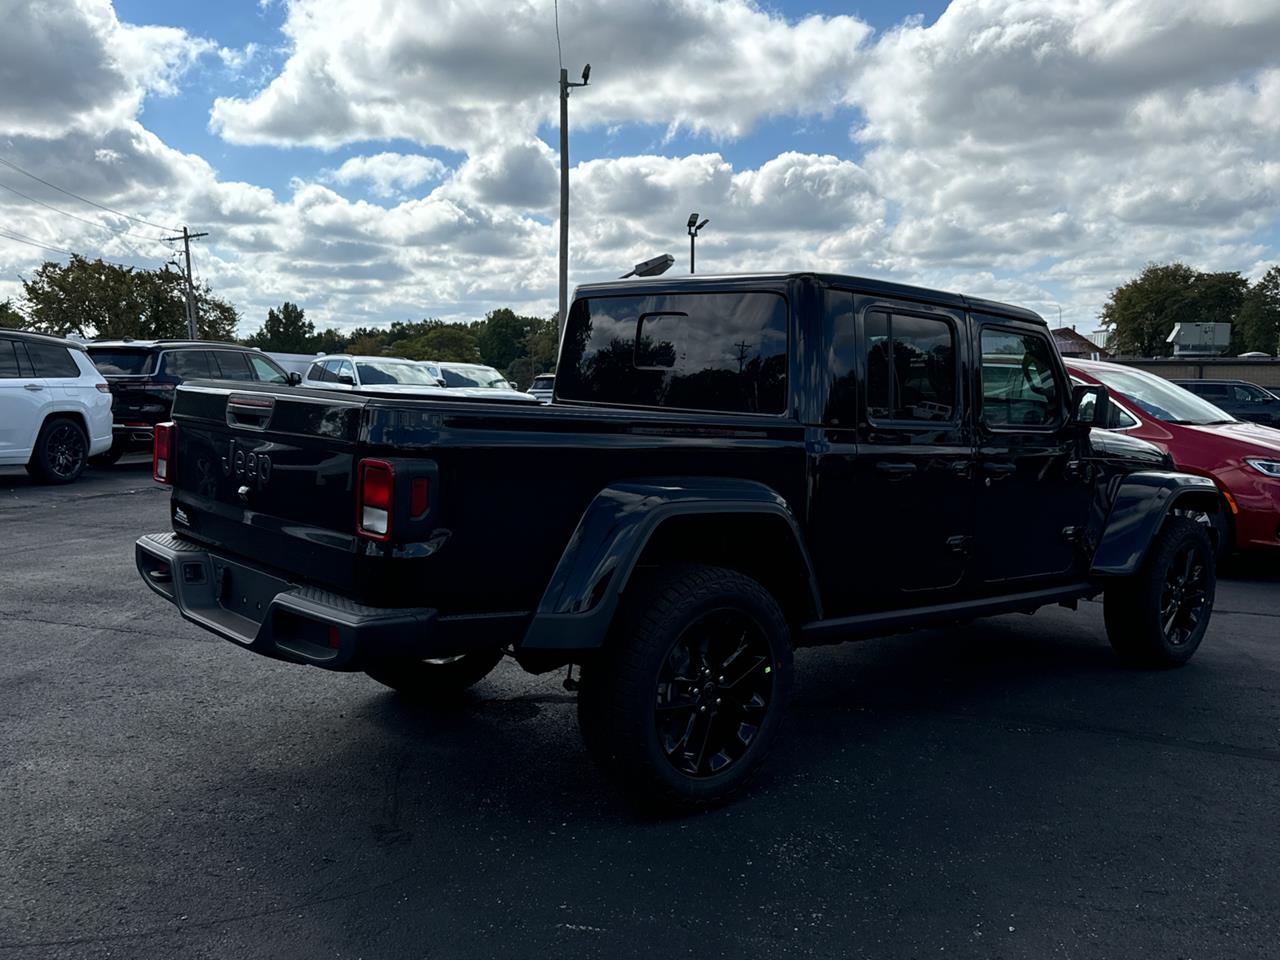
(375, 489)
(162, 446)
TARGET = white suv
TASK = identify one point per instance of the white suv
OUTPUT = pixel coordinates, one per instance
(55, 408)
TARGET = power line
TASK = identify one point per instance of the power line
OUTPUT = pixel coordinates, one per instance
(92, 223)
(92, 203)
(32, 242)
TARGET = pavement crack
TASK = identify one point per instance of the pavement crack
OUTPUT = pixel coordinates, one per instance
(9, 617)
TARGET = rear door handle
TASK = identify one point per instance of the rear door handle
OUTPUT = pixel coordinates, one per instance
(1000, 468)
(33, 386)
(895, 469)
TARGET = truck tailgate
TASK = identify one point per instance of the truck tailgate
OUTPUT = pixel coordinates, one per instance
(268, 474)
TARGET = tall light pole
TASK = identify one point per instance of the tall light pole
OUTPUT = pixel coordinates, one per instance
(694, 227)
(564, 187)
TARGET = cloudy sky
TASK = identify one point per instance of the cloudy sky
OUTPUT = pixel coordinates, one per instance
(376, 160)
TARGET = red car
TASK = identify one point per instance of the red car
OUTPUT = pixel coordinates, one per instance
(1243, 459)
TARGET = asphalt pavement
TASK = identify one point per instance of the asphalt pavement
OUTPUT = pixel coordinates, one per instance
(999, 790)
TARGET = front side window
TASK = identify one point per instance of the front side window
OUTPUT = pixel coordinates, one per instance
(692, 351)
(266, 371)
(190, 365)
(1250, 394)
(232, 365)
(911, 367)
(52, 360)
(1019, 387)
(317, 372)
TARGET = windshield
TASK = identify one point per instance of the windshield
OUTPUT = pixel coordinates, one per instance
(117, 362)
(391, 371)
(473, 375)
(1158, 397)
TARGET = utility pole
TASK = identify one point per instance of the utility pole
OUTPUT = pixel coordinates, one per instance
(564, 189)
(186, 238)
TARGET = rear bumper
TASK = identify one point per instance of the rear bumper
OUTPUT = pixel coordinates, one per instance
(132, 435)
(273, 617)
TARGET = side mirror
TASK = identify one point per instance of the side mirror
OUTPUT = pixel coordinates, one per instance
(440, 382)
(512, 384)
(293, 379)
(347, 379)
(1090, 405)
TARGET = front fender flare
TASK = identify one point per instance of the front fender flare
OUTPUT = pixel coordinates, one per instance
(583, 593)
(1141, 503)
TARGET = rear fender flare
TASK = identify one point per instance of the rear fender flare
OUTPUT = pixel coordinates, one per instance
(1142, 502)
(582, 595)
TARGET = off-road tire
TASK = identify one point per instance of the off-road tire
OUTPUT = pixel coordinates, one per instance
(1149, 617)
(621, 698)
(61, 451)
(429, 680)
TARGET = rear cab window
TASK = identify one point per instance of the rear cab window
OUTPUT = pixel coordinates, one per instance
(714, 351)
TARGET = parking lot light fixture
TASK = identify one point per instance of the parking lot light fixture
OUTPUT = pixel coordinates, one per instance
(694, 227)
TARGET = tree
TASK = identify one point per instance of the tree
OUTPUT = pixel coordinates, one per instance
(286, 330)
(501, 337)
(1141, 314)
(1259, 320)
(85, 297)
(447, 341)
(10, 318)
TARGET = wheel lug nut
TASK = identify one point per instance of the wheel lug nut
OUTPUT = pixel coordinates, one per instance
(721, 680)
(717, 701)
(702, 709)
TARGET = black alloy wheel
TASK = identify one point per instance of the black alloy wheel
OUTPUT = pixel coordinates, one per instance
(61, 452)
(1182, 603)
(685, 700)
(1158, 616)
(714, 690)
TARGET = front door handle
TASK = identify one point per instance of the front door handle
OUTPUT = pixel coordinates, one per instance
(1000, 468)
(33, 386)
(895, 469)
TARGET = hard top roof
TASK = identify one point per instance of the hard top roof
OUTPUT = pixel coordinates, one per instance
(41, 337)
(729, 281)
(170, 344)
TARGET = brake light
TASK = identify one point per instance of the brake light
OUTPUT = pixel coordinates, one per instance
(162, 446)
(374, 491)
(103, 387)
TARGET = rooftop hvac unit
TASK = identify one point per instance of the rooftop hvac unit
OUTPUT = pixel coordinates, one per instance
(1200, 339)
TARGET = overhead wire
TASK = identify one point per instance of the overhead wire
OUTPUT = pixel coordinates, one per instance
(9, 234)
(92, 203)
(73, 216)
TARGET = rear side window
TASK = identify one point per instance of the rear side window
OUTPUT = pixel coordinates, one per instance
(112, 362)
(1217, 391)
(190, 365)
(911, 367)
(9, 360)
(1018, 383)
(232, 365)
(695, 351)
(51, 360)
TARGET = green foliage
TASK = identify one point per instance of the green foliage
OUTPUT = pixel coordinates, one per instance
(1259, 322)
(96, 298)
(1141, 313)
(446, 341)
(286, 330)
(10, 318)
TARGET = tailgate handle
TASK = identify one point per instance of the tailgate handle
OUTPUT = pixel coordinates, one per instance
(250, 410)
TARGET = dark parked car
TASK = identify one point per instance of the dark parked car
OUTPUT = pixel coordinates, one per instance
(733, 467)
(1241, 399)
(144, 374)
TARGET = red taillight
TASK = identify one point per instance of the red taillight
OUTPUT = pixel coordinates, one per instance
(374, 491)
(162, 452)
(419, 497)
(103, 387)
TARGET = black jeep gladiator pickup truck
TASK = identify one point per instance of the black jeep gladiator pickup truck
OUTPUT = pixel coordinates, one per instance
(732, 467)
